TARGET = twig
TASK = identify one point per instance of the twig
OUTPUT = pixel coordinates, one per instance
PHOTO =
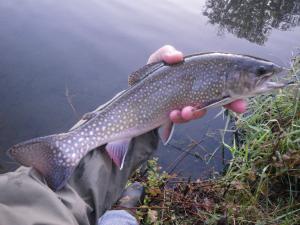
(190, 153)
(182, 156)
(69, 99)
(140, 207)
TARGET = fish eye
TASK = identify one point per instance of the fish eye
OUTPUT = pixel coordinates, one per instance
(261, 71)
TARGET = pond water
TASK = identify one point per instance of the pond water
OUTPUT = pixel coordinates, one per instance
(53, 53)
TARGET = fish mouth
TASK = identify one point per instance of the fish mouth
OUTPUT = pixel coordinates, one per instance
(265, 84)
(274, 85)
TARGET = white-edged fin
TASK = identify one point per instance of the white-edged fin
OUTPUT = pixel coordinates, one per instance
(212, 104)
(117, 151)
(166, 131)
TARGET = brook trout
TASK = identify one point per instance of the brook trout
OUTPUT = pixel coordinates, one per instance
(201, 80)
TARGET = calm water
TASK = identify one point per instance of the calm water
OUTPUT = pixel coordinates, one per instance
(52, 51)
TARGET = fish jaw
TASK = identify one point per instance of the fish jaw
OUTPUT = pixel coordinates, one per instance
(265, 84)
(269, 86)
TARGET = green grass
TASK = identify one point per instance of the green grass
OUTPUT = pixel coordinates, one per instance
(261, 184)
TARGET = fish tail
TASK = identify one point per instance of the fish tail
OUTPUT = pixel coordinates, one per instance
(46, 156)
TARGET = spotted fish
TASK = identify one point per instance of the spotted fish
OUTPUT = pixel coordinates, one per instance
(201, 80)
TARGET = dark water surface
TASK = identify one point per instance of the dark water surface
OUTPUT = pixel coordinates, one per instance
(52, 52)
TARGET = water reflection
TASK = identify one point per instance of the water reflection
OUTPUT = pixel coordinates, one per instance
(253, 19)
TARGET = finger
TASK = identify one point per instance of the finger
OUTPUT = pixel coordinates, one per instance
(238, 106)
(189, 113)
(173, 57)
(166, 53)
(176, 117)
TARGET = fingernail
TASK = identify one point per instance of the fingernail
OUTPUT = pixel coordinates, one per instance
(176, 52)
(172, 52)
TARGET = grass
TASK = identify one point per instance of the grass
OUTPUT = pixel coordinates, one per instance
(261, 184)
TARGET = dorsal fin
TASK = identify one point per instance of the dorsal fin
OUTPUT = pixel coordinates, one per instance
(143, 72)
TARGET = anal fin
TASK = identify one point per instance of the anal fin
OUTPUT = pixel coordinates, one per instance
(117, 151)
(166, 131)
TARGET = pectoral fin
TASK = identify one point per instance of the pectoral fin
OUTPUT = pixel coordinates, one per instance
(166, 132)
(219, 102)
(117, 151)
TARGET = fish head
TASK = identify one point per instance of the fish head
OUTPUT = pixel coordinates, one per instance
(252, 76)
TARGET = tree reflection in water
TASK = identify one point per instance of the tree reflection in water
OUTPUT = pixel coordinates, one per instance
(253, 19)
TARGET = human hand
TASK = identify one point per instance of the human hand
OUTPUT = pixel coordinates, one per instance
(170, 55)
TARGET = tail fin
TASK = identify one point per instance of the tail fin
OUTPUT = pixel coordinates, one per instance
(45, 155)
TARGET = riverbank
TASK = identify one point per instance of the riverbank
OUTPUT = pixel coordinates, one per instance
(261, 184)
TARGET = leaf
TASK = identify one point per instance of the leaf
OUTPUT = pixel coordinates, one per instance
(238, 185)
(154, 191)
(152, 216)
(208, 204)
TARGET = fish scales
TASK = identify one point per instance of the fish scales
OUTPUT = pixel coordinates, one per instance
(200, 80)
(163, 93)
